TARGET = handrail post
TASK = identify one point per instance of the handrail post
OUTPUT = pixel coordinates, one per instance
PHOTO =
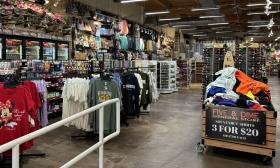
(118, 106)
(101, 137)
(15, 156)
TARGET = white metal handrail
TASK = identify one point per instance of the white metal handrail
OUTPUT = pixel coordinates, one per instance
(15, 144)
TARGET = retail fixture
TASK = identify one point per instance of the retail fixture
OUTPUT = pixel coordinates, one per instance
(167, 71)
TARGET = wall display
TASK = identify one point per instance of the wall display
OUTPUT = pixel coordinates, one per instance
(48, 51)
(236, 124)
(32, 50)
(13, 49)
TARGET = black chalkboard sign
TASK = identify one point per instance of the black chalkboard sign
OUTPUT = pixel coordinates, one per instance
(236, 124)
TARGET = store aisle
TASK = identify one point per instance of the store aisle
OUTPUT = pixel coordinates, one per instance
(164, 139)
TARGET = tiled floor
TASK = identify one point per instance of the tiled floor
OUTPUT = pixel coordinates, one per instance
(164, 139)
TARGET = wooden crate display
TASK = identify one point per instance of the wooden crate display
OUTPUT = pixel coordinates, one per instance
(267, 149)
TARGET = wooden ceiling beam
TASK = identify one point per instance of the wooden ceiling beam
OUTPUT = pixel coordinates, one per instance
(164, 3)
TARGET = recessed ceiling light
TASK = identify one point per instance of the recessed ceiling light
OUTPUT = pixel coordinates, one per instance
(157, 12)
(132, 1)
(204, 17)
(204, 9)
(213, 24)
(169, 19)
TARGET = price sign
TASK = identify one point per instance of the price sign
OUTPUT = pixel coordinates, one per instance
(236, 124)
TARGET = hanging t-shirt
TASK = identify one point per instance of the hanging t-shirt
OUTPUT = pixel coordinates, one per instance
(146, 92)
(131, 92)
(124, 42)
(99, 92)
(124, 27)
(18, 114)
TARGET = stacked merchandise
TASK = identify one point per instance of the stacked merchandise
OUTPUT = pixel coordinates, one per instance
(235, 89)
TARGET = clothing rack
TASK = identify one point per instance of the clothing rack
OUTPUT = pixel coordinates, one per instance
(17, 75)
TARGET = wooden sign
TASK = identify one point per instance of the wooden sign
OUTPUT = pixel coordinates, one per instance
(228, 61)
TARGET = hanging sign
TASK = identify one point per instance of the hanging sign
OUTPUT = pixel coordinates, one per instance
(218, 45)
(254, 45)
(236, 124)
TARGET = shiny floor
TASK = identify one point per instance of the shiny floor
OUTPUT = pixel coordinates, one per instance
(164, 139)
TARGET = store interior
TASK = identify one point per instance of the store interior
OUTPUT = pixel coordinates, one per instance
(191, 83)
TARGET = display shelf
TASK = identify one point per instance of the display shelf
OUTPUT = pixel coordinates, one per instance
(167, 72)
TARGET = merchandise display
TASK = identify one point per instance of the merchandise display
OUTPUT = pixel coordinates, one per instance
(134, 83)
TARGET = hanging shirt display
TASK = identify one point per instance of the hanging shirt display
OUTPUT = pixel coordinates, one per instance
(18, 115)
(131, 92)
(101, 91)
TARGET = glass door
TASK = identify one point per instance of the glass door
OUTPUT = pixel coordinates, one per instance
(48, 51)
(63, 51)
(32, 50)
(13, 49)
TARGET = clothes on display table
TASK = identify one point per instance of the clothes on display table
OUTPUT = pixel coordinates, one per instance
(234, 88)
(18, 113)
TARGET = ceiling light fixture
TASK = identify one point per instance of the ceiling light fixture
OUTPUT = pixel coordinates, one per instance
(157, 12)
(199, 35)
(132, 1)
(169, 19)
(256, 4)
(188, 29)
(262, 13)
(260, 21)
(221, 32)
(271, 23)
(257, 26)
(181, 26)
(270, 34)
(213, 24)
(260, 4)
(267, 7)
(204, 9)
(214, 16)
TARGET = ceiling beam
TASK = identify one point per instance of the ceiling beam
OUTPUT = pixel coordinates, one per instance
(164, 3)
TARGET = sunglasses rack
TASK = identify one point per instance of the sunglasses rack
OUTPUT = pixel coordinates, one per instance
(250, 60)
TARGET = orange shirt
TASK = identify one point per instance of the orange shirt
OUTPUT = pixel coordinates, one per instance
(248, 84)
